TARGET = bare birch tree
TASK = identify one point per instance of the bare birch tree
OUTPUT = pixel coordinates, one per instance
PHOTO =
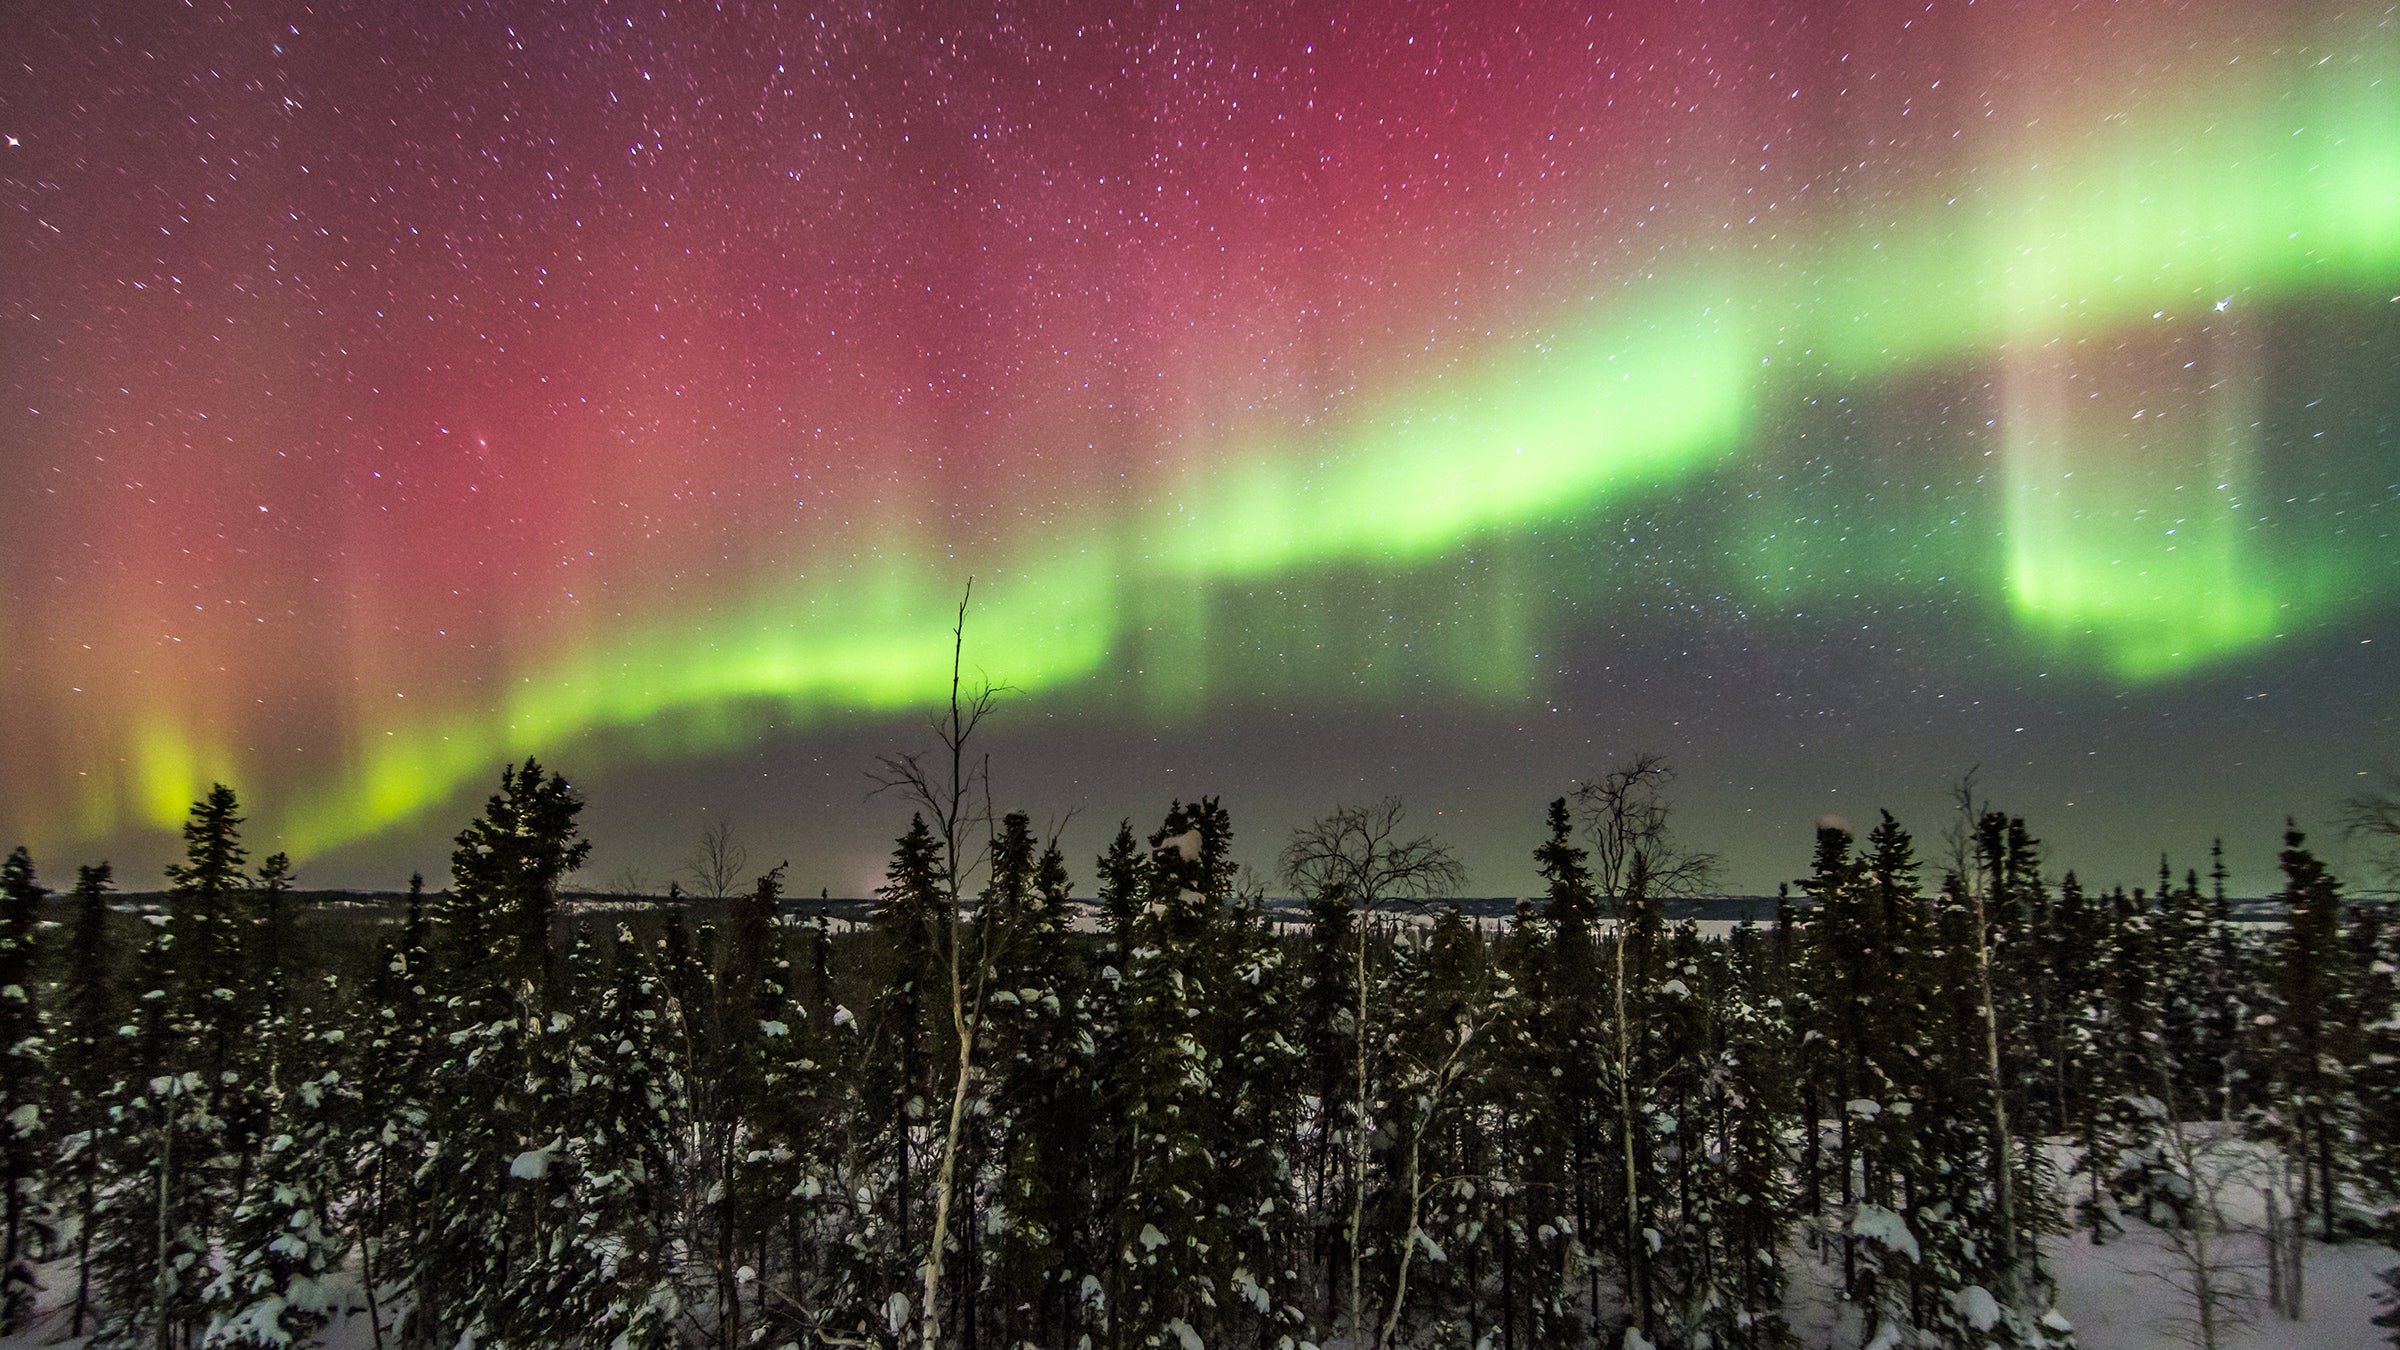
(1636, 860)
(1960, 837)
(2205, 1271)
(717, 861)
(1428, 1104)
(1357, 855)
(955, 791)
(1626, 817)
(2371, 823)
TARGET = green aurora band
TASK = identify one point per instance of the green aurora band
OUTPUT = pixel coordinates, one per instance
(2273, 186)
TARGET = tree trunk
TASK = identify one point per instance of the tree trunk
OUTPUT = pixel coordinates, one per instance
(1508, 1279)
(83, 1256)
(1358, 1143)
(166, 1268)
(367, 1244)
(2004, 1169)
(2325, 1179)
(1637, 1262)
(929, 1317)
(729, 1294)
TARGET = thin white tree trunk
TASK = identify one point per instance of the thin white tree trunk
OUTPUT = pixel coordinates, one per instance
(2004, 1163)
(930, 1318)
(1416, 1186)
(1637, 1265)
(166, 1171)
(2195, 1241)
(1358, 1142)
(965, 1016)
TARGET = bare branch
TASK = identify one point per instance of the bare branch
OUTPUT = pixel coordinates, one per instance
(1356, 853)
(2371, 821)
(1958, 837)
(1355, 857)
(1625, 822)
(716, 863)
(950, 793)
(629, 882)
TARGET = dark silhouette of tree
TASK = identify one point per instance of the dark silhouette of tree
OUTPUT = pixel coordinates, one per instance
(1348, 865)
(909, 909)
(1169, 1240)
(717, 860)
(2307, 1058)
(1202, 1124)
(83, 1071)
(1636, 863)
(22, 1088)
(207, 921)
(505, 872)
(2371, 822)
(1625, 817)
(1121, 881)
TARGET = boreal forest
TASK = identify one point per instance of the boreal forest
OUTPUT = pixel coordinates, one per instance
(979, 1112)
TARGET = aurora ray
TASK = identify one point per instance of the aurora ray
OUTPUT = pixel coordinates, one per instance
(680, 515)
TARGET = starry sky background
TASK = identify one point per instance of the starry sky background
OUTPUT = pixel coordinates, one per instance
(1329, 400)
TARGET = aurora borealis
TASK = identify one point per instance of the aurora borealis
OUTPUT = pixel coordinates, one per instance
(1328, 401)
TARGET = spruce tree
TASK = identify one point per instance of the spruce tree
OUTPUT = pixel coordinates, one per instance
(282, 1245)
(1593, 1097)
(2375, 1083)
(757, 1028)
(506, 869)
(1524, 1097)
(504, 1059)
(1736, 1296)
(23, 1090)
(1121, 881)
(184, 1117)
(2127, 1088)
(207, 919)
(2309, 1094)
(625, 1116)
(545, 1278)
(1046, 1101)
(84, 1071)
(150, 1242)
(1257, 1099)
(1170, 1242)
(388, 1132)
(2086, 932)
(1878, 947)
(896, 1078)
(270, 945)
(1846, 954)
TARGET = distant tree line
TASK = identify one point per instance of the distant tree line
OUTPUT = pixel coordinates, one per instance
(993, 1117)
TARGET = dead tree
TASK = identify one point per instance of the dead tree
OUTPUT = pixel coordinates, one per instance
(2004, 1161)
(1357, 855)
(955, 791)
(716, 864)
(1636, 861)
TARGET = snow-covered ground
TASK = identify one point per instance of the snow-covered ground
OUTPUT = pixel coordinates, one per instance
(2130, 1292)
(2124, 1294)
(2119, 1297)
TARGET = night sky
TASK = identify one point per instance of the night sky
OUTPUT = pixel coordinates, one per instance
(1329, 401)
